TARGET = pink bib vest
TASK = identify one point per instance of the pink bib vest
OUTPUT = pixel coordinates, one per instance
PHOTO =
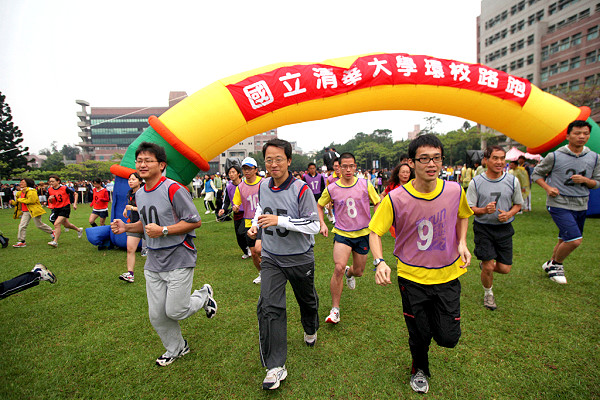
(352, 205)
(426, 229)
(249, 195)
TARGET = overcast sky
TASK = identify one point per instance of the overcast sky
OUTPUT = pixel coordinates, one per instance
(132, 53)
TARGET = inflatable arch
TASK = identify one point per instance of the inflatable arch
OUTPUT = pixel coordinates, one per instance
(224, 113)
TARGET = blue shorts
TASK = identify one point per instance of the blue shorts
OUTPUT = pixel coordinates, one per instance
(569, 223)
(359, 245)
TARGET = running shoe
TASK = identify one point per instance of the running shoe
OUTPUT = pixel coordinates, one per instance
(211, 305)
(144, 252)
(45, 273)
(127, 277)
(257, 280)
(489, 302)
(80, 233)
(310, 340)
(274, 378)
(556, 273)
(20, 244)
(245, 256)
(165, 360)
(53, 243)
(333, 317)
(350, 281)
(419, 383)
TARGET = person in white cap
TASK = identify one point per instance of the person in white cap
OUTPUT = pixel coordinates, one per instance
(246, 195)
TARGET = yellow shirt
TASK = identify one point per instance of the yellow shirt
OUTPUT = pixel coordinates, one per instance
(373, 196)
(237, 199)
(382, 221)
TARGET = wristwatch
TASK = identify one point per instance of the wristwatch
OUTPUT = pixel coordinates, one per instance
(377, 261)
(165, 231)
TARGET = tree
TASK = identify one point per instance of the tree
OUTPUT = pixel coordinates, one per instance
(70, 152)
(54, 162)
(430, 123)
(49, 151)
(12, 153)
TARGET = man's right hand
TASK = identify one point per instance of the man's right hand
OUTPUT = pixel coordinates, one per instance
(252, 232)
(382, 275)
(117, 226)
(552, 191)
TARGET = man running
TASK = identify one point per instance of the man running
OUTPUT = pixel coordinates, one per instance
(567, 175)
(351, 198)
(246, 196)
(168, 217)
(495, 197)
(431, 218)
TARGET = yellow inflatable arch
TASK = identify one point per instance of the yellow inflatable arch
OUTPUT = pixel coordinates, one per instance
(224, 113)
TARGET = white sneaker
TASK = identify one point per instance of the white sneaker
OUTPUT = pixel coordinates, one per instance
(350, 281)
(274, 378)
(310, 340)
(257, 280)
(80, 233)
(127, 277)
(334, 316)
(45, 273)
(556, 273)
(53, 243)
(245, 256)
(207, 212)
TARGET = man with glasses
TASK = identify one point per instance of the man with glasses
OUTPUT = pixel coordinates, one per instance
(169, 218)
(351, 199)
(287, 215)
(430, 217)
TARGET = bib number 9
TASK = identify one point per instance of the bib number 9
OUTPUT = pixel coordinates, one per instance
(425, 231)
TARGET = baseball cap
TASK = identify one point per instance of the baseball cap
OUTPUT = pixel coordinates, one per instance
(262, 173)
(249, 162)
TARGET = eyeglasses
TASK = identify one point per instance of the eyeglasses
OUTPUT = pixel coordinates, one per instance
(427, 160)
(349, 166)
(146, 162)
(277, 160)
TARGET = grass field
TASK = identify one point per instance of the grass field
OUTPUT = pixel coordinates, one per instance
(88, 336)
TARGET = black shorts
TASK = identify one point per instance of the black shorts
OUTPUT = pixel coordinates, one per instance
(249, 241)
(60, 212)
(494, 242)
(101, 214)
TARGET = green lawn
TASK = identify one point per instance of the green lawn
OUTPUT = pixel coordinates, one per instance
(88, 336)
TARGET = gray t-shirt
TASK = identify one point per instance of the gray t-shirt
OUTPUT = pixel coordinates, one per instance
(505, 191)
(166, 204)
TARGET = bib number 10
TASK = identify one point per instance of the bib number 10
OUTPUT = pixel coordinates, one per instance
(425, 231)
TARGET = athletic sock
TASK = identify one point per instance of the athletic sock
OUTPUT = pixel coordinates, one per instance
(556, 263)
(94, 224)
(488, 291)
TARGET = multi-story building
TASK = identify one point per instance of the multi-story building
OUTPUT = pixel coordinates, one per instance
(109, 130)
(555, 44)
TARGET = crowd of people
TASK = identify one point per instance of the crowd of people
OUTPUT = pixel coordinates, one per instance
(276, 215)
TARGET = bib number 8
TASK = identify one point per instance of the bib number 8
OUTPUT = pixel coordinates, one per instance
(351, 207)
(424, 237)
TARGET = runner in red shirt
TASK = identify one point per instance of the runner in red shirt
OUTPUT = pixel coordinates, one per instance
(60, 204)
(99, 203)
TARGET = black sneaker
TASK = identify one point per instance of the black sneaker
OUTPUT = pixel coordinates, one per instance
(419, 383)
(163, 360)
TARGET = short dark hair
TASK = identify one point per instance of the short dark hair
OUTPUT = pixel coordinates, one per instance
(154, 149)
(347, 155)
(578, 124)
(335, 160)
(280, 143)
(30, 182)
(512, 162)
(55, 177)
(97, 180)
(427, 140)
(490, 149)
(310, 164)
(521, 157)
(236, 167)
(138, 177)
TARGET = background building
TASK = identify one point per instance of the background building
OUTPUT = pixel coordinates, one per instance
(105, 131)
(555, 44)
